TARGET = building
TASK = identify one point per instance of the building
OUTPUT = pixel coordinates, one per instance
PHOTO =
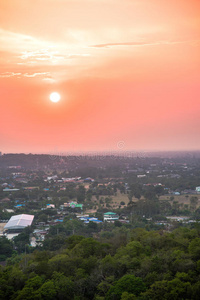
(73, 205)
(5, 200)
(50, 206)
(198, 189)
(110, 216)
(19, 222)
(10, 190)
(86, 219)
(38, 237)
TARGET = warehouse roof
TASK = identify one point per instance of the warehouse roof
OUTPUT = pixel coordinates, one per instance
(19, 221)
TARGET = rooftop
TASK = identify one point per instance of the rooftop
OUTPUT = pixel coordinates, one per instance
(19, 221)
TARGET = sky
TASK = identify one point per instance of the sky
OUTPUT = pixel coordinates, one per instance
(128, 73)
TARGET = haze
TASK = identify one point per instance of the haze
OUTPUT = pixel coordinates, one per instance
(127, 72)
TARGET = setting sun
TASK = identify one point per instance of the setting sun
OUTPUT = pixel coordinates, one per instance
(54, 97)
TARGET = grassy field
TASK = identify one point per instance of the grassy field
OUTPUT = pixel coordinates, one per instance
(182, 199)
(116, 200)
(121, 197)
(185, 199)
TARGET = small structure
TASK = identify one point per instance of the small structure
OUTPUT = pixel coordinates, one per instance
(198, 189)
(88, 179)
(10, 190)
(8, 210)
(110, 216)
(178, 218)
(87, 219)
(5, 200)
(50, 205)
(73, 204)
(19, 205)
(79, 206)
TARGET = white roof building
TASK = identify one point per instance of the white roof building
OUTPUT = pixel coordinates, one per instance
(110, 216)
(19, 222)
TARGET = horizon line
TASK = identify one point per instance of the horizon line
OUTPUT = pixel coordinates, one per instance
(99, 152)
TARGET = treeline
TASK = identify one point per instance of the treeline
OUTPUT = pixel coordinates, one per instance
(123, 264)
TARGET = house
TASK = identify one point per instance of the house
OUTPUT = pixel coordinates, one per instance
(50, 205)
(198, 189)
(5, 200)
(87, 219)
(10, 190)
(110, 216)
(73, 204)
(19, 205)
(38, 237)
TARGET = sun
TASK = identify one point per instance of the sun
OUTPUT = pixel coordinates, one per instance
(54, 97)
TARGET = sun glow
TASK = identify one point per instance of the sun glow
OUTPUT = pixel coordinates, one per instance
(54, 97)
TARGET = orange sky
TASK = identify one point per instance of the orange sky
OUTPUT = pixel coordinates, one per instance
(127, 71)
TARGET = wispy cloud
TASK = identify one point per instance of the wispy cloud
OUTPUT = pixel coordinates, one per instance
(20, 75)
(10, 74)
(41, 55)
(48, 55)
(36, 74)
(138, 44)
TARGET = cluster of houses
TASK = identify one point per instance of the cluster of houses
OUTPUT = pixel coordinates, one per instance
(72, 204)
(76, 179)
(17, 223)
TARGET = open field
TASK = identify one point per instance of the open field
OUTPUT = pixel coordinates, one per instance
(116, 200)
(121, 197)
(185, 199)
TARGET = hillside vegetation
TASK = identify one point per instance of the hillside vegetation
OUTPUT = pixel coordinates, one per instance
(122, 264)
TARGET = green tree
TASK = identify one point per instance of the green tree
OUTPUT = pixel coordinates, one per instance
(64, 286)
(193, 203)
(6, 248)
(128, 296)
(136, 191)
(81, 194)
(128, 283)
(194, 248)
(30, 290)
(48, 290)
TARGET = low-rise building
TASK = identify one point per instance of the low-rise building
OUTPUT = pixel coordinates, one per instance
(50, 205)
(110, 216)
(16, 224)
(198, 189)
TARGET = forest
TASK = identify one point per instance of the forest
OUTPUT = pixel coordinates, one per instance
(120, 264)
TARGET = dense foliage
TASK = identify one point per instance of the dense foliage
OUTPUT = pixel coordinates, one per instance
(131, 264)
